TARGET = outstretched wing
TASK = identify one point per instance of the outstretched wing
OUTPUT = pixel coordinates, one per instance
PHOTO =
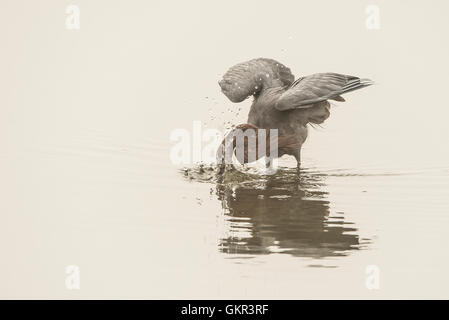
(318, 87)
(250, 77)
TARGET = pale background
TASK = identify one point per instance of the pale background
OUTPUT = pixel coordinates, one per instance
(85, 119)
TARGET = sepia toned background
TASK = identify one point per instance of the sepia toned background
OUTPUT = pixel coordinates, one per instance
(86, 178)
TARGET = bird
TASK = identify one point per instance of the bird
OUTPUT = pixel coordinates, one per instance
(283, 103)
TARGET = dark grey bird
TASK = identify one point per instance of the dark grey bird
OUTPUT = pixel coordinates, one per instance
(283, 103)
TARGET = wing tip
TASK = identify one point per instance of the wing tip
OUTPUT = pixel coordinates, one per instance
(367, 82)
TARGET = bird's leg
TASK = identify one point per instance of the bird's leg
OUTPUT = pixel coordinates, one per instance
(268, 164)
(221, 168)
(298, 160)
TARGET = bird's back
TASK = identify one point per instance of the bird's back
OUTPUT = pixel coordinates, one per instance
(264, 115)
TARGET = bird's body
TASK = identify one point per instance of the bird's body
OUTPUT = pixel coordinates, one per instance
(282, 103)
(264, 115)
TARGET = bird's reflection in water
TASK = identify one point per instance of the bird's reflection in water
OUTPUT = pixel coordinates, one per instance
(284, 213)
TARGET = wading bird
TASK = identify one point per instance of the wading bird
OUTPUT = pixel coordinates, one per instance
(283, 103)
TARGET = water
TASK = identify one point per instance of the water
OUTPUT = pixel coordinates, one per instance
(87, 178)
(164, 231)
(283, 213)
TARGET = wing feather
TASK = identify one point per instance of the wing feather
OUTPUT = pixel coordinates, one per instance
(319, 87)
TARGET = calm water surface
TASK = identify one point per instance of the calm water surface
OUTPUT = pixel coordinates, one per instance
(120, 210)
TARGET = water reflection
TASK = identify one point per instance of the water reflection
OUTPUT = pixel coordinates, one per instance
(282, 213)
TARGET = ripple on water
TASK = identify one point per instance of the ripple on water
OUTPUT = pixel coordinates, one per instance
(284, 213)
